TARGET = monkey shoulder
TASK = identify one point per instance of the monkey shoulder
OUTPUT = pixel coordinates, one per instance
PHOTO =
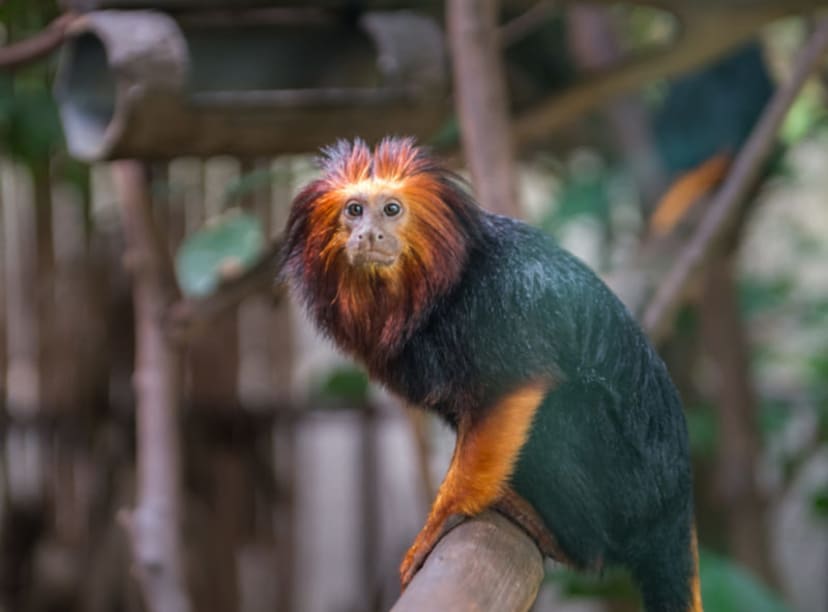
(525, 308)
(545, 306)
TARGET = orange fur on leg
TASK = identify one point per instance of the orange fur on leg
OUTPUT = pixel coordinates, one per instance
(484, 458)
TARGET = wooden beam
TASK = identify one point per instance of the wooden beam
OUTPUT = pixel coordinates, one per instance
(485, 563)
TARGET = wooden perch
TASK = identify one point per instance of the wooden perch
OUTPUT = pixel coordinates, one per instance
(485, 563)
(723, 210)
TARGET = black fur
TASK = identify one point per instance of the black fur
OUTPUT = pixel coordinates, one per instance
(606, 465)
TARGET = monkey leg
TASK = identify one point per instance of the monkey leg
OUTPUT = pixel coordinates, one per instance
(484, 458)
(521, 512)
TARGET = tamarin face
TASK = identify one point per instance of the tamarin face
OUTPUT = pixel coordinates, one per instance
(376, 238)
(372, 220)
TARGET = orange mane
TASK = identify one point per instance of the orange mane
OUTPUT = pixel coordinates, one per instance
(372, 312)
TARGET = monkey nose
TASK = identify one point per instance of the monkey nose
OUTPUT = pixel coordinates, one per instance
(371, 237)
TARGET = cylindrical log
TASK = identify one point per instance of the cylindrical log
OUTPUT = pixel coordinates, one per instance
(485, 564)
(141, 84)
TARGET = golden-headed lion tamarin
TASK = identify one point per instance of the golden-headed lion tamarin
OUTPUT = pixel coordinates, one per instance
(559, 402)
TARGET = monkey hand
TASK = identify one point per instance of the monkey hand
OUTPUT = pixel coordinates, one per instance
(425, 542)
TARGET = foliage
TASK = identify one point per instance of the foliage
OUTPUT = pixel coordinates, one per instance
(585, 192)
(703, 429)
(345, 383)
(819, 502)
(30, 130)
(806, 115)
(253, 182)
(29, 126)
(224, 249)
(726, 586)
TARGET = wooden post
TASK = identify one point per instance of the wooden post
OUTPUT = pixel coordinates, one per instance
(482, 104)
(154, 525)
(485, 563)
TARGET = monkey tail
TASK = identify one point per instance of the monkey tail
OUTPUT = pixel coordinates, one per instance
(669, 575)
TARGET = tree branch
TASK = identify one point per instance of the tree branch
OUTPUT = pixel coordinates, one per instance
(37, 46)
(706, 32)
(485, 563)
(724, 208)
(154, 526)
(482, 106)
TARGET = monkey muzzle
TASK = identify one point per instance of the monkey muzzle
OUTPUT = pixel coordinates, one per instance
(372, 248)
(370, 257)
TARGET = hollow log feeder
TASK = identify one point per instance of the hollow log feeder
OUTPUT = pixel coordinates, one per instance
(143, 84)
(487, 563)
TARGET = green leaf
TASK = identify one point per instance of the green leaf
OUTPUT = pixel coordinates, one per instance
(583, 196)
(447, 135)
(703, 430)
(346, 383)
(819, 501)
(774, 416)
(254, 181)
(223, 250)
(33, 132)
(807, 112)
(726, 586)
(758, 295)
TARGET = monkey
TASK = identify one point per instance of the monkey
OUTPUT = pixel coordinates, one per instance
(566, 418)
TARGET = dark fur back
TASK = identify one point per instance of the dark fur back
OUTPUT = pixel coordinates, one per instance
(607, 463)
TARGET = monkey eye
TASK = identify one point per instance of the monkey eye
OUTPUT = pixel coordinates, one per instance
(354, 209)
(392, 209)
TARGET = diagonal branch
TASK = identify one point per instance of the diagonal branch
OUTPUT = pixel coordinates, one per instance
(37, 46)
(706, 33)
(724, 208)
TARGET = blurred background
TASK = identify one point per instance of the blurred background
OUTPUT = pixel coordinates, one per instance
(146, 350)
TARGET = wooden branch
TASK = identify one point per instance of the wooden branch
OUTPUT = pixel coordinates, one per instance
(724, 208)
(154, 526)
(37, 46)
(189, 317)
(481, 101)
(706, 32)
(525, 23)
(485, 564)
(742, 501)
